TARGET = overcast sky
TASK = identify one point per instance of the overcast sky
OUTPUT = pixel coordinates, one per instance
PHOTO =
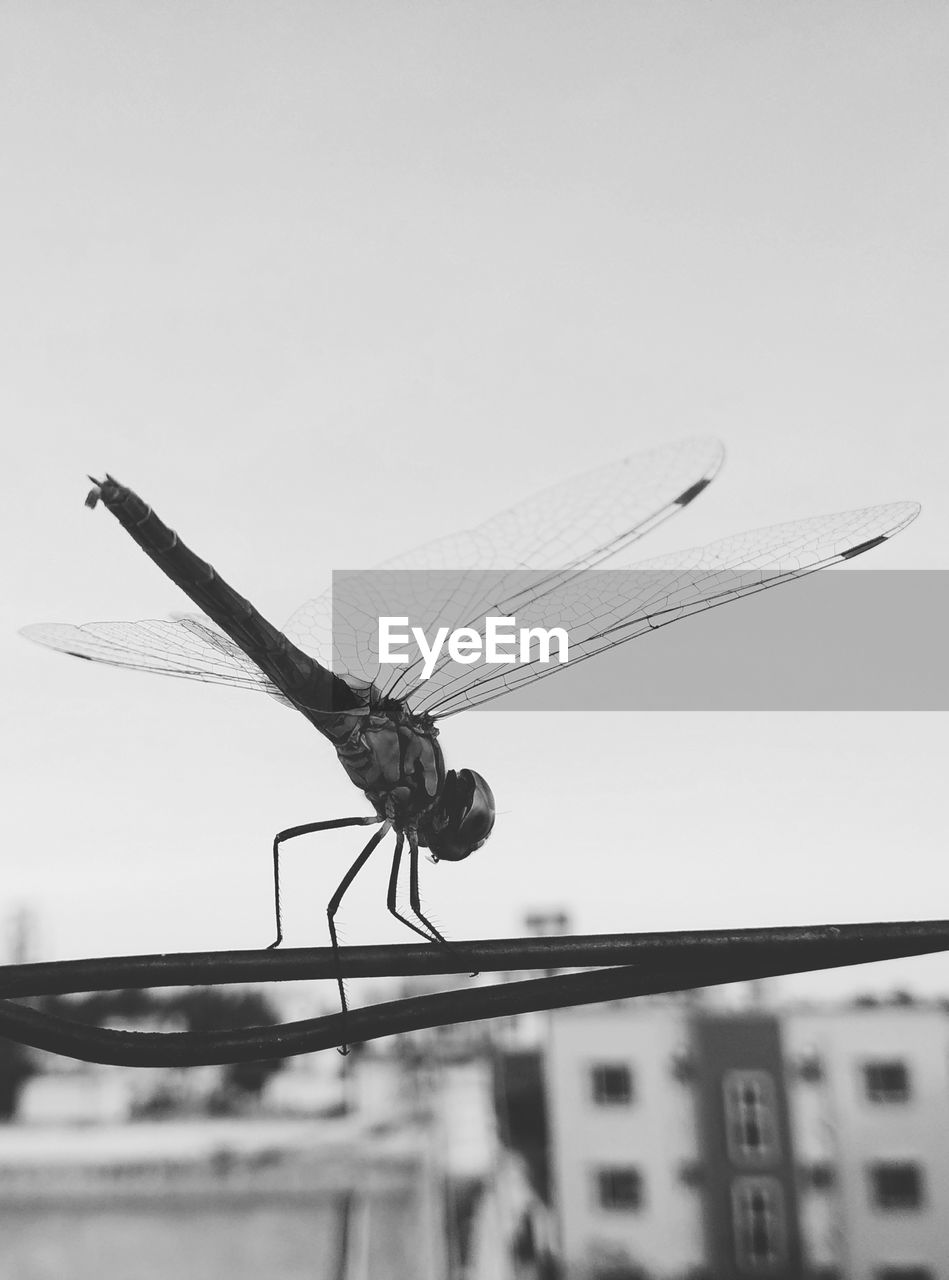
(321, 281)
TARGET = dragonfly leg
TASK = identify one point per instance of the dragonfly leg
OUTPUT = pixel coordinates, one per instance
(304, 830)
(333, 907)
(415, 897)
(393, 889)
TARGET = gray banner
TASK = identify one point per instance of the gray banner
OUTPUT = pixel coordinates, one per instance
(842, 640)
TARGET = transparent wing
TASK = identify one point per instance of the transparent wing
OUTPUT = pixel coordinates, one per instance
(192, 648)
(575, 525)
(604, 609)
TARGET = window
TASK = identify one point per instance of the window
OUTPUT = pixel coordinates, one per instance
(810, 1068)
(750, 1116)
(611, 1262)
(886, 1081)
(620, 1188)
(760, 1232)
(897, 1185)
(612, 1084)
(683, 1067)
(820, 1175)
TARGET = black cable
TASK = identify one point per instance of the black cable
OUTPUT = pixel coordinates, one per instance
(646, 964)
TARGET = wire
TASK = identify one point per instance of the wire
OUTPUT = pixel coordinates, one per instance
(644, 964)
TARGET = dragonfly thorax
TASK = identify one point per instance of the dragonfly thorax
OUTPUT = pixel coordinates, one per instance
(393, 757)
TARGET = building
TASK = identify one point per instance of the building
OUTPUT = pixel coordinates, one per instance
(219, 1198)
(689, 1141)
(624, 1141)
(381, 1165)
(869, 1092)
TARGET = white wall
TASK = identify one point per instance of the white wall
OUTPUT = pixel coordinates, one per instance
(834, 1120)
(656, 1133)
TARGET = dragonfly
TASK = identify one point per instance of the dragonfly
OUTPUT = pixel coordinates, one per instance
(384, 723)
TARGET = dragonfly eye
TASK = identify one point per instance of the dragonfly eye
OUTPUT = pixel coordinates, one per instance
(463, 819)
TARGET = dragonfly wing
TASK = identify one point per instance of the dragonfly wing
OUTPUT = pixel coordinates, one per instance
(188, 647)
(602, 610)
(574, 525)
(584, 520)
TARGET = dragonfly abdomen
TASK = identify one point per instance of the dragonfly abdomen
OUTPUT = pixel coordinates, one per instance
(310, 686)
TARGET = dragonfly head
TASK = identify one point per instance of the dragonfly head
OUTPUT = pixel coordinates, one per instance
(462, 818)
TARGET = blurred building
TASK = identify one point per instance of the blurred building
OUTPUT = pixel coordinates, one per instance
(234, 1199)
(869, 1089)
(666, 1138)
(689, 1141)
(379, 1166)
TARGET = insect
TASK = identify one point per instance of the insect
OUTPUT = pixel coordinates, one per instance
(384, 724)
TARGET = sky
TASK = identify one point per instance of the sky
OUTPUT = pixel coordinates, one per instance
(323, 281)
